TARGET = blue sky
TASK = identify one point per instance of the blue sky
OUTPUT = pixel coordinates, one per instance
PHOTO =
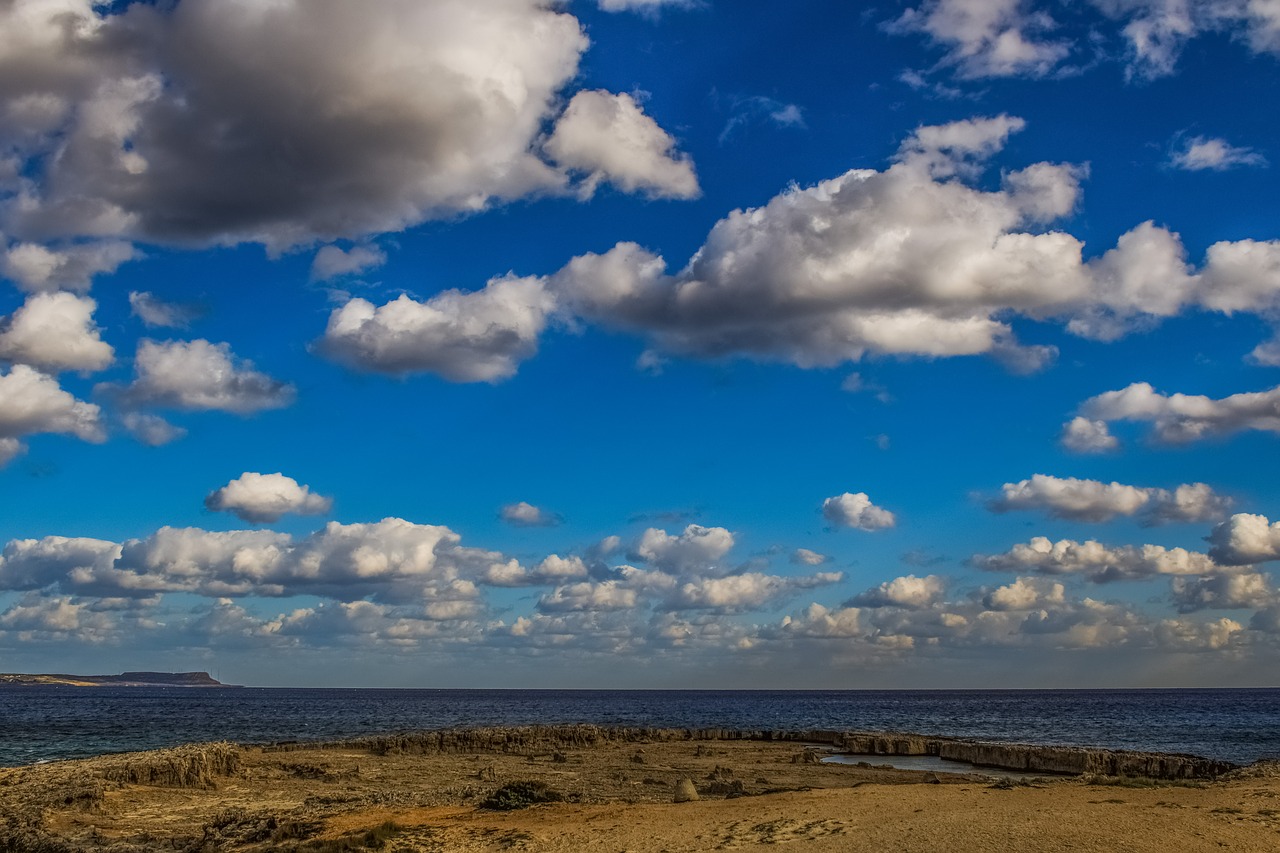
(641, 343)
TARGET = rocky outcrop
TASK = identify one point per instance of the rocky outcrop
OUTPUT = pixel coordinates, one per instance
(1030, 758)
(1035, 758)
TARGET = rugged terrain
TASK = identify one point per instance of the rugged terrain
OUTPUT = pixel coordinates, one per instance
(588, 788)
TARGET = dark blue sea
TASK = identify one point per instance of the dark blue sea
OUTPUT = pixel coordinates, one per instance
(47, 723)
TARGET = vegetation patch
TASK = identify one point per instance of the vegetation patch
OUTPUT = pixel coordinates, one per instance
(520, 795)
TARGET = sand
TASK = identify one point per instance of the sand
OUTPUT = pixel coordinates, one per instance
(617, 796)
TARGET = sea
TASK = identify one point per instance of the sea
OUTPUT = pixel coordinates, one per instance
(48, 723)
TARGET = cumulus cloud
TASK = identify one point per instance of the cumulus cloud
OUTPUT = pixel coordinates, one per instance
(911, 260)
(1243, 590)
(1028, 613)
(909, 591)
(156, 313)
(332, 262)
(988, 38)
(608, 138)
(1200, 153)
(524, 514)
(264, 498)
(392, 561)
(602, 596)
(856, 511)
(1197, 636)
(1183, 418)
(55, 331)
(28, 564)
(481, 336)
(1097, 562)
(32, 402)
(1092, 500)
(59, 617)
(1245, 538)
(1025, 594)
(1083, 435)
(346, 121)
(37, 268)
(200, 376)
(908, 261)
(696, 549)
(748, 591)
(396, 584)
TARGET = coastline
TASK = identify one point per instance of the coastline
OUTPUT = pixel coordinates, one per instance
(612, 786)
(124, 679)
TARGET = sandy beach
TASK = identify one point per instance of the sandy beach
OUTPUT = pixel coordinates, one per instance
(606, 793)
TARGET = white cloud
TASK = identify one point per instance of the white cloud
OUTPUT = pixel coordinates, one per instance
(908, 261)
(609, 139)
(1197, 636)
(524, 514)
(1083, 435)
(909, 591)
(1158, 30)
(464, 337)
(1182, 418)
(1025, 594)
(151, 430)
(749, 591)
(644, 5)
(264, 498)
(805, 557)
(35, 616)
(55, 331)
(27, 564)
(696, 549)
(331, 262)
(1244, 590)
(382, 116)
(988, 38)
(856, 511)
(1006, 38)
(821, 622)
(1092, 500)
(1245, 538)
(1200, 153)
(392, 560)
(1096, 561)
(37, 268)
(10, 449)
(31, 402)
(201, 376)
(588, 596)
(155, 312)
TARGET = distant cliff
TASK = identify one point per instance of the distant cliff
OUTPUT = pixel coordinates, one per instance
(124, 679)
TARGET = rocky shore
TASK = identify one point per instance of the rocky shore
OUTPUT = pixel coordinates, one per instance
(569, 788)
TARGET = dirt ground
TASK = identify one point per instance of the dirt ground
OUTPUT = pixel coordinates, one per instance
(613, 796)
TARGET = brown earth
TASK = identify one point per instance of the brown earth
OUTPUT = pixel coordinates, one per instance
(416, 795)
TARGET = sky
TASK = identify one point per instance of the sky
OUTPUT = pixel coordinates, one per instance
(641, 343)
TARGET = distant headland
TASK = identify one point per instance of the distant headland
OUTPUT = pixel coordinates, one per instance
(124, 679)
